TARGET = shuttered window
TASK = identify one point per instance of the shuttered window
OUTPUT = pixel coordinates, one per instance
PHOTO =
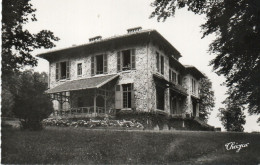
(119, 61)
(162, 65)
(57, 71)
(157, 62)
(68, 70)
(62, 70)
(126, 60)
(92, 65)
(105, 63)
(133, 58)
(99, 64)
(170, 75)
(124, 96)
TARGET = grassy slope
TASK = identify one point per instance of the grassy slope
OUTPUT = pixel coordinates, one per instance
(78, 145)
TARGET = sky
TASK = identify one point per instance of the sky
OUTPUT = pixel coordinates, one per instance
(75, 21)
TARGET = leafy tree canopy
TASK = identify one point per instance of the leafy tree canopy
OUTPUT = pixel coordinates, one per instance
(17, 42)
(236, 25)
(31, 105)
(232, 116)
(207, 99)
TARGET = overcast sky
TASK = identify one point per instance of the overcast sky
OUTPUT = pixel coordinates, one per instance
(75, 21)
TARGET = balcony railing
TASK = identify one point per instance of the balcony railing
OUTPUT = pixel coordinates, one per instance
(179, 87)
(80, 111)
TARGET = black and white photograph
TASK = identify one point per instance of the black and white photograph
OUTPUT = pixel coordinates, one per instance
(130, 82)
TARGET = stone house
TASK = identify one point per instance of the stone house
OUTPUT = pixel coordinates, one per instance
(138, 71)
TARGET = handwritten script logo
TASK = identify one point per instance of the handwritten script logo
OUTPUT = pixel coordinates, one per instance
(235, 146)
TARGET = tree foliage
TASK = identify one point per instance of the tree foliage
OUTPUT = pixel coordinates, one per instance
(31, 105)
(232, 116)
(207, 99)
(236, 25)
(17, 42)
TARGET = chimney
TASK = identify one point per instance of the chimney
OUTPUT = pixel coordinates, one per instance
(93, 39)
(132, 30)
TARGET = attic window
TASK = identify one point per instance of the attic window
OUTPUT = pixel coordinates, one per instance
(132, 30)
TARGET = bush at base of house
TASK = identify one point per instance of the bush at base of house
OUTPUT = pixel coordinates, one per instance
(148, 119)
(90, 123)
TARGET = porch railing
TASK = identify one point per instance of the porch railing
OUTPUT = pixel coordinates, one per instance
(80, 111)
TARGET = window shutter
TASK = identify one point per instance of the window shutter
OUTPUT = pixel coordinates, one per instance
(118, 61)
(68, 69)
(105, 63)
(133, 58)
(118, 97)
(132, 96)
(157, 62)
(162, 65)
(57, 71)
(170, 75)
(92, 65)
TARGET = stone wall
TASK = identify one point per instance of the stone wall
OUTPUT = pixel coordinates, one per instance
(138, 76)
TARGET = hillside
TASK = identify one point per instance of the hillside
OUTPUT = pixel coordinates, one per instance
(80, 145)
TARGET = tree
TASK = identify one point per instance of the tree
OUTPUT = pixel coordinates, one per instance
(207, 99)
(31, 105)
(232, 116)
(17, 46)
(17, 42)
(236, 25)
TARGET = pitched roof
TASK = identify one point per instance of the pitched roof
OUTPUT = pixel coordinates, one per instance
(194, 71)
(115, 42)
(88, 83)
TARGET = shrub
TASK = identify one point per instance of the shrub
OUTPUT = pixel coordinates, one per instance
(31, 105)
(148, 119)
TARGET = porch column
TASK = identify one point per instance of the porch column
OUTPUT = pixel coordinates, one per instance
(95, 102)
(105, 104)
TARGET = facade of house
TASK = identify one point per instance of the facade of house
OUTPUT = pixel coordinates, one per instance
(138, 71)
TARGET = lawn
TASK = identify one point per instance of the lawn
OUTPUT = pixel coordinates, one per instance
(85, 146)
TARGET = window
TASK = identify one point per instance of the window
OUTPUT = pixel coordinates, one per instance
(126, 60)
(79, 69)
(160, 63)
(126, 95)
(62, 70)
(98, 64)
(179, 79)
(157, 62)
(160, 97)
(193, 87)
(172, 76)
